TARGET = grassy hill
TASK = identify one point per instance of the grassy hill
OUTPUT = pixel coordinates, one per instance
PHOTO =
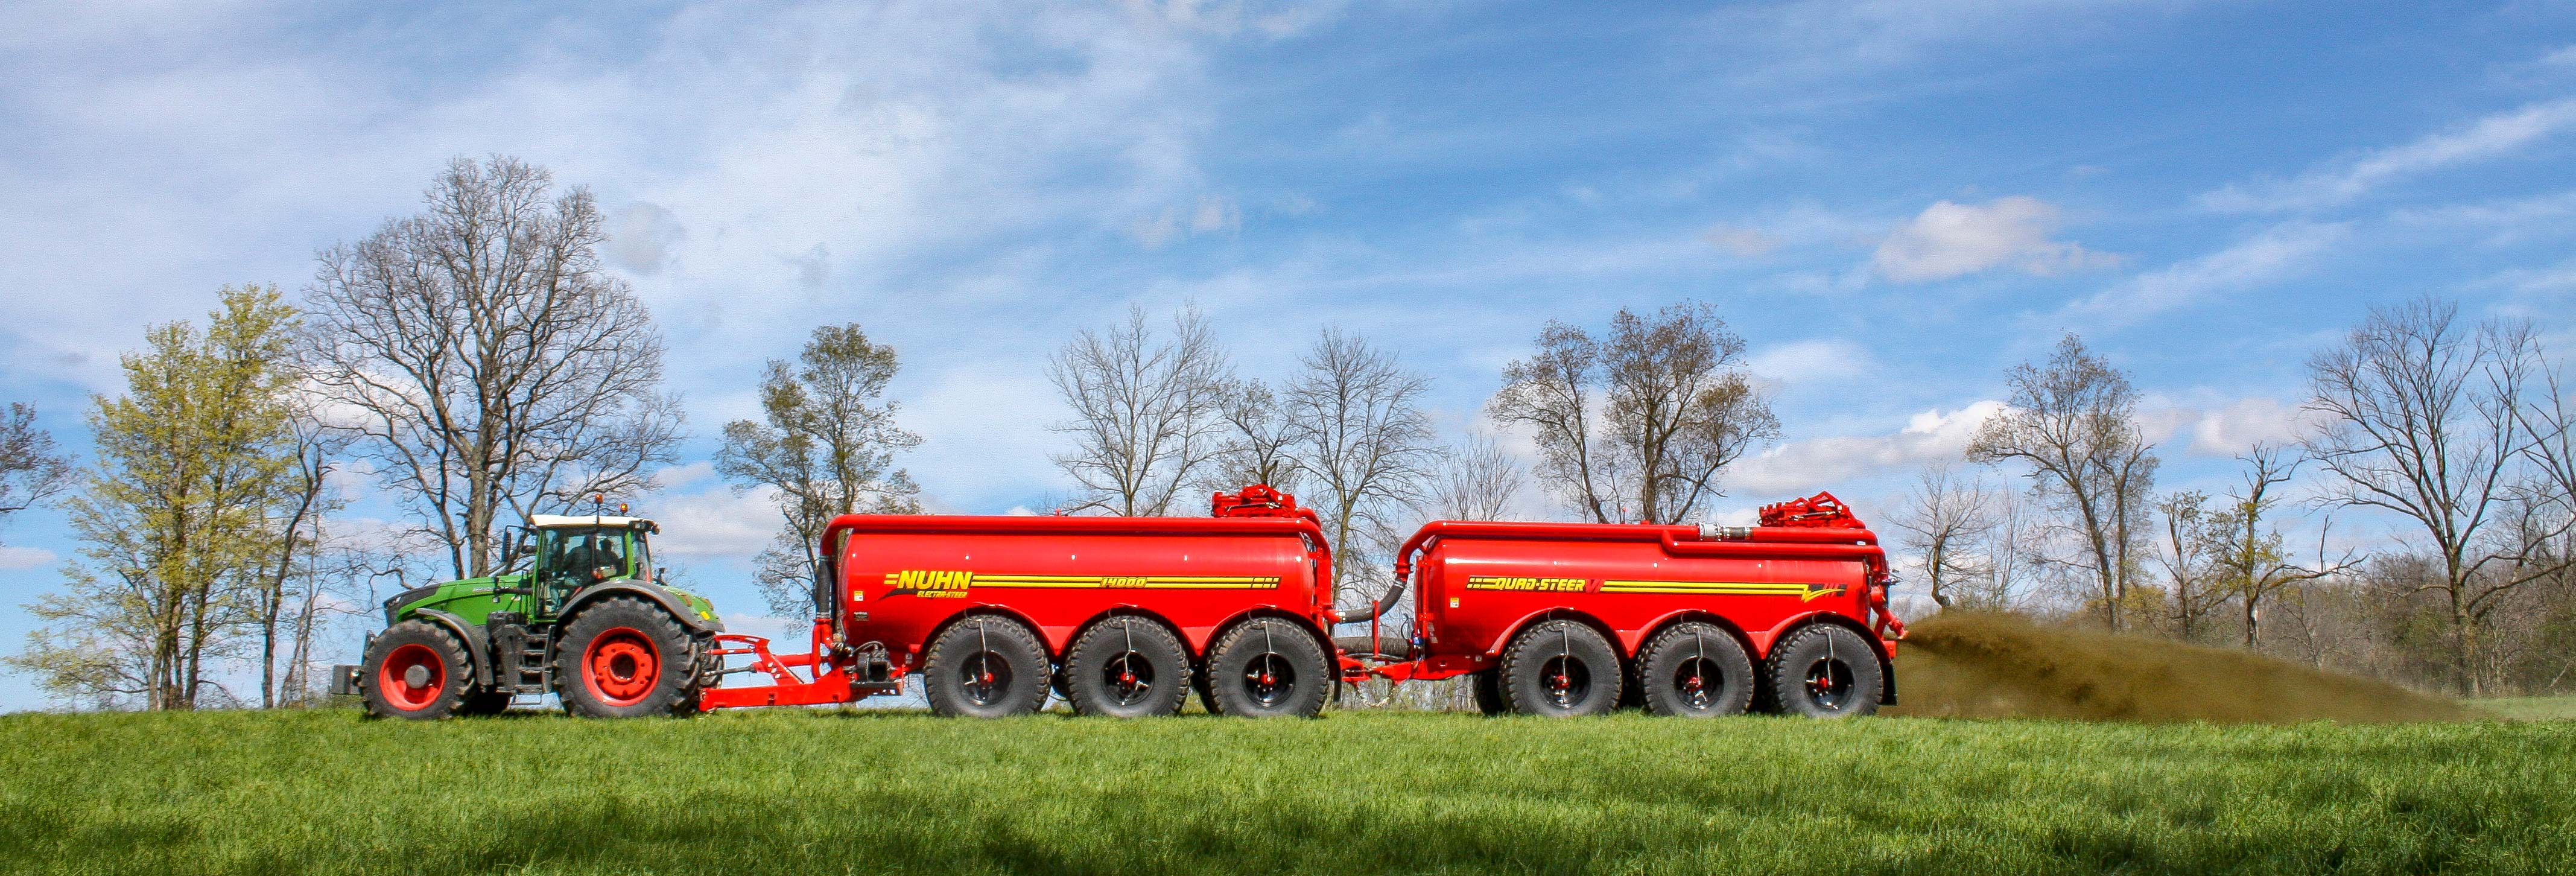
(819, 792)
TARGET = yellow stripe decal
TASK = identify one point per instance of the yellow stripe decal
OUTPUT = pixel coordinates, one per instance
(1804, 592)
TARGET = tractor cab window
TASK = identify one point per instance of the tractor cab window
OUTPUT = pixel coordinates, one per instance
(585, 555)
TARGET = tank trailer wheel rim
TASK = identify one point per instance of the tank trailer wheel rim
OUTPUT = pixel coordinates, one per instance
(621, 666)
(1693, 678)
(1565, 680)
(412, 678)
(1829, 683)
(987, 676)
(1130, 677)
(1269, 679)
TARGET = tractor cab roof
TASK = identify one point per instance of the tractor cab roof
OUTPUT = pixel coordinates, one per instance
(552, 521)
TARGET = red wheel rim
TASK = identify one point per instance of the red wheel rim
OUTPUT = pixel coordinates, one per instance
(391, 678)
(621, 667)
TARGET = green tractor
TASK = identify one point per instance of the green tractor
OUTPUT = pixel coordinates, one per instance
(587, 619)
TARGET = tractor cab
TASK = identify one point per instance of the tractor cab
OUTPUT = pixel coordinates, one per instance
(569, 552)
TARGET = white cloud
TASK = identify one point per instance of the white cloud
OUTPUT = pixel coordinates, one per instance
(1739, 241)
(2279, 251)
(642, 237)
(18, 559)
(1803, 467)
(2341, 180)
(1820, 360)
(1953, 240)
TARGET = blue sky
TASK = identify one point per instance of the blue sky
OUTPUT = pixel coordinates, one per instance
(1891, 201)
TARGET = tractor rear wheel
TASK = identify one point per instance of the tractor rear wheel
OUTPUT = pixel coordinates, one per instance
(1268, 668)
(1696, 670)
(1127, 667)
(416, 670)
(626, 658)
(986, 667)
(1560, 668)
(1825, 671)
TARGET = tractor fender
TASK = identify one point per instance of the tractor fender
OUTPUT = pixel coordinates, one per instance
(477, 645)
(678, 608)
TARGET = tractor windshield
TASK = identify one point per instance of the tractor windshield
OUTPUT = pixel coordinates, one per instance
(585, 554)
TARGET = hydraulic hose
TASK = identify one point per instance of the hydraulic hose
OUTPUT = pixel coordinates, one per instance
(1370, 613)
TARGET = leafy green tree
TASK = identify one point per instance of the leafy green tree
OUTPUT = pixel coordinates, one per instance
(177, 512)
(826, 445)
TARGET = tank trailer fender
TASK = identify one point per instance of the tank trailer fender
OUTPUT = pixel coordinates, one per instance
(1272, 612)
(478, 647)
(670, 602)
(1196, 644)
(1495, 651)
(1053, 641)
(1656, 627)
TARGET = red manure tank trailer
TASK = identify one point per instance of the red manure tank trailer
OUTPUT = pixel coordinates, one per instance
(1577, 618)
(1126, 616)
(1122, 616)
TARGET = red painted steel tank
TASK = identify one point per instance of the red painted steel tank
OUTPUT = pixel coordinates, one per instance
(1482, 589)
(907, 575)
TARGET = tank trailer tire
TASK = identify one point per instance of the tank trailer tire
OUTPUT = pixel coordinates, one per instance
(1560, 668)
(1696, 670)
(416, 670)
(623, 657)
(1268, 668)
(1488, 688)
(1127, 667)
(1825, 671)
(986, 667)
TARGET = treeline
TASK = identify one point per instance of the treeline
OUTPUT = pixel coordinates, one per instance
(472, 361)
(2450, 437)
(476, 364)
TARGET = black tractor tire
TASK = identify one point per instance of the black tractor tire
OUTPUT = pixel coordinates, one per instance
(416, 670)
(1825, 671)
(486, 704)
(1127, 667)
(1268, 668)
(1488, 689)
(1695, 670)
(1561, 669)
(623, 657)
(1007, 665)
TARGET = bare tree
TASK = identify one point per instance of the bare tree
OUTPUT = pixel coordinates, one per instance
(2250, 550)
(32, 469)
(2193, 541)
(2007, 555)
(826, 446)
(1262, 443)
(1477, 481)
(487, 362)
(1943, 518)
(1674, 408)
(1148, 410)
(297, 523)
(2073, 422)
(1364, 442)
(2422, 417)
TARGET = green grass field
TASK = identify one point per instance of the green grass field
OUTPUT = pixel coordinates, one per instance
(818, 792)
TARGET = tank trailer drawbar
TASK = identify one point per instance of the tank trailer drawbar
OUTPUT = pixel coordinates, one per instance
(1129, 616)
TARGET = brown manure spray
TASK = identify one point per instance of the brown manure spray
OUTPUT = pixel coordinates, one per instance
(1979, 665)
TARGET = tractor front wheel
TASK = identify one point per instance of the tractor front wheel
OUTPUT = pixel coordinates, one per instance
(626, 658)
(416, 670)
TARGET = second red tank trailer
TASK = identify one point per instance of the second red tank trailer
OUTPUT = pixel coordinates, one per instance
(1126, 616)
